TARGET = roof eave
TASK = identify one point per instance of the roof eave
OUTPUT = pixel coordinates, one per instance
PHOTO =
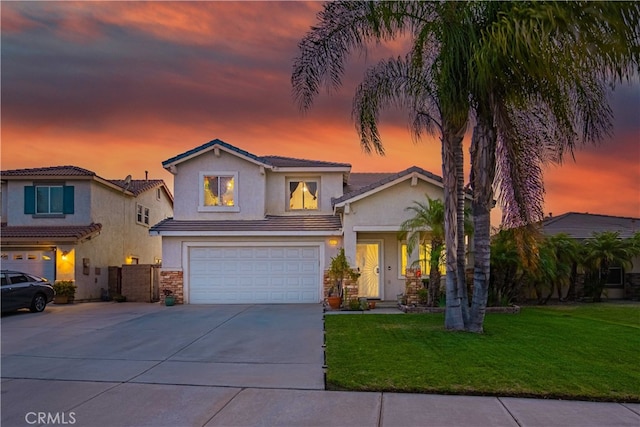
(312, 169)
(212, 233)
(170, 165)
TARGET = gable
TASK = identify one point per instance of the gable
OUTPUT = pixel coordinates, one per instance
(386, 208)
(216, 146)
(366, 185)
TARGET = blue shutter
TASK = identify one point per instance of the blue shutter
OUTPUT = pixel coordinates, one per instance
(29, 200)
(67, 199)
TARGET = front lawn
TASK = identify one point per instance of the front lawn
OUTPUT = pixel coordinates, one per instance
(583, 351)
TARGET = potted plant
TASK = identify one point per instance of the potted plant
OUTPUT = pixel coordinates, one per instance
(169, 298)
(339, 270)
(65, 291)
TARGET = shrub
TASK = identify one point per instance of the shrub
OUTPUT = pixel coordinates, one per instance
(65, 288)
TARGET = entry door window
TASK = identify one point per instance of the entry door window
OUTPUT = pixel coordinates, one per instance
(368, 264)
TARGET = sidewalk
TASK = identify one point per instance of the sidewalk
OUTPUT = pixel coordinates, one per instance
(108, 404)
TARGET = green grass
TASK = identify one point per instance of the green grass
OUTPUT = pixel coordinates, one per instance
(587, 352)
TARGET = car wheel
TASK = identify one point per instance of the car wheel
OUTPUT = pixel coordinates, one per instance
(39, 303)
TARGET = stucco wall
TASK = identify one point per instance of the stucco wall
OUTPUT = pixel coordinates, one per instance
(387, 207)
(15, 216)
(187, 187)
(278, 196)
(3, 195)
(173, 248)
(120, 239)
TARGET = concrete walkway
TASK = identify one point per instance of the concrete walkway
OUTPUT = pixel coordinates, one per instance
(109, 364)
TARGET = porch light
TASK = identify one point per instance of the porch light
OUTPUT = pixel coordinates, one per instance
(333, 242)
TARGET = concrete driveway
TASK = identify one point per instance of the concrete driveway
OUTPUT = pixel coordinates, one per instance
(67, 356)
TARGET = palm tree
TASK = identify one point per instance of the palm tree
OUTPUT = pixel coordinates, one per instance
(566, 251)
(349, 25)
(506, 269)
(538, 90)
(603, 251)
(428, 216)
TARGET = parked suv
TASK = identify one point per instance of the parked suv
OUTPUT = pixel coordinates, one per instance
(21, 290)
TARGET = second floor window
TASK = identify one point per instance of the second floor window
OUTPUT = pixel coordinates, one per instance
(142, 215)
(42, 200)
(49, 199)
(219, 190)
(303, 194)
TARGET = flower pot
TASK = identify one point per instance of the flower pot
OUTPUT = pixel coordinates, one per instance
(334, 302)
(169, 300)
(372, 305)
(61, 299)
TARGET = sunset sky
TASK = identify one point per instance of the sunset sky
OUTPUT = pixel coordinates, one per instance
(118, 87)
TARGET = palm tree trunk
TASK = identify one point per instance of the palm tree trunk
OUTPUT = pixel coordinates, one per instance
(461, 250)
(571, 292)
(483, 149)
(434, 273)
(453, 319)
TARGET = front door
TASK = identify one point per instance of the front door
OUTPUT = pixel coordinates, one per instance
(368, 264)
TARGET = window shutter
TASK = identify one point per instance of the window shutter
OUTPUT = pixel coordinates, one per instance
(29, 200)
(67, 199)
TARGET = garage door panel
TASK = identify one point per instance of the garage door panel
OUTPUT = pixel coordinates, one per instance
(35, 262)
(260, 274)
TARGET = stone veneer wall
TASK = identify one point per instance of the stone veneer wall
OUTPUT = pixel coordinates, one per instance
(348, 285)
(172, 279)
(412, 284)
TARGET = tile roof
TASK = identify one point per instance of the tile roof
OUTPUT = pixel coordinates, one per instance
(288, 162)
(48, 234)
(49, 171)
(269, 225)
(274, 161)
(137, 186)
(583, 225)
(363, 183)
(358, 180)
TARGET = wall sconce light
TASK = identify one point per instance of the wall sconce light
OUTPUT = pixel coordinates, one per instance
(333, 242)
(64, 255)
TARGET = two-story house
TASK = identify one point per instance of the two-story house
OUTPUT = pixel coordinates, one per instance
(67, 223)
(262, 229)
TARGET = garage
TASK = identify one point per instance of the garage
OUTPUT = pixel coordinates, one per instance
(254, 274)
(39, 263)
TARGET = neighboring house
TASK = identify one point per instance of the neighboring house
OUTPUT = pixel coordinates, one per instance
(262, 229)
(67, 223)
(581, 226)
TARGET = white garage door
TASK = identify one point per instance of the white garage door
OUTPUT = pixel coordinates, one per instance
(37, 263)
(261, 274)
